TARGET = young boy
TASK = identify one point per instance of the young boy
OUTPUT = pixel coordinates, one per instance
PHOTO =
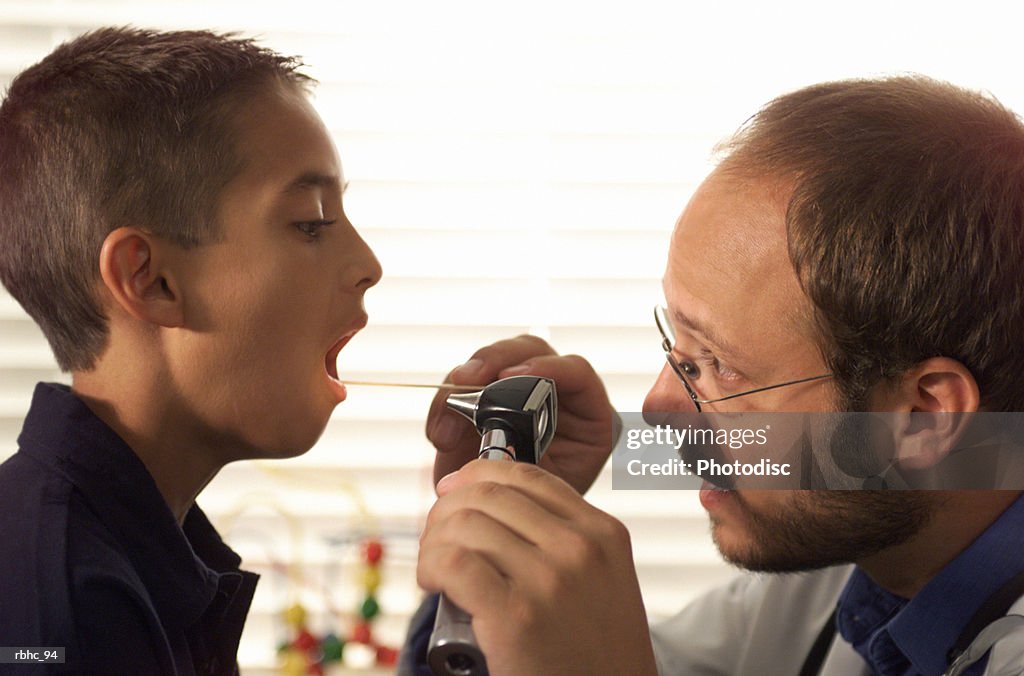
(171, 216)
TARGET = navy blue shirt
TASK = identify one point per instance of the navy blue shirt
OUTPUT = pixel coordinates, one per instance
(412, 660)
(94, 561)
(898, 637)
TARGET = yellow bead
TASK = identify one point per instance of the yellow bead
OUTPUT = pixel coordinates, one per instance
(295, 616)
(371, 579)
(293, 663)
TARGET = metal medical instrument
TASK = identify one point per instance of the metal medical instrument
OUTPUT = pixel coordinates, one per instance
(516, 418)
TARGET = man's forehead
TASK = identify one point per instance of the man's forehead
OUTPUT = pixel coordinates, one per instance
(729, 268)
(736, 224)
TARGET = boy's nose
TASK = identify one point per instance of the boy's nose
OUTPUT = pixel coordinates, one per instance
(366, 269)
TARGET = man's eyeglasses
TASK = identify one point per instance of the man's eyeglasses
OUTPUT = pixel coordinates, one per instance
(668, 341)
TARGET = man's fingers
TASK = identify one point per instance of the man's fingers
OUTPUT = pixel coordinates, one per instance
(488, 362)
(575, 378)
(536, 521)
(465, 550)
(543, 488)
(450, 432)
(466, 576)
(574, 373)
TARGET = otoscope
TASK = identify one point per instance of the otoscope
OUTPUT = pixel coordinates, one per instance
(516, 419)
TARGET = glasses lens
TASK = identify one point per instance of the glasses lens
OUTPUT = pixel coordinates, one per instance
(664, 325)
(668, 341)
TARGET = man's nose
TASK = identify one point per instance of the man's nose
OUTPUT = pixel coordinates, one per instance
(667, 395)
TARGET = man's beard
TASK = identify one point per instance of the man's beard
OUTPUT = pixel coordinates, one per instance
(815, 529)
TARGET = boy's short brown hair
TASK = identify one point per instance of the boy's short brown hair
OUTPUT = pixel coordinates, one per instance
(117, 127)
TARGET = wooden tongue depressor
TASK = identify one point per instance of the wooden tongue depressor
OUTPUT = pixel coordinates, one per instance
(445, 386)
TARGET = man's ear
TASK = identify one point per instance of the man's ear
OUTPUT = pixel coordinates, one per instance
(937, 397)
(135, 273)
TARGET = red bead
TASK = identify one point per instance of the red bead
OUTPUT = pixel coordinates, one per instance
(374, 551)
(386, 657)
(361, 633)
(304, 641)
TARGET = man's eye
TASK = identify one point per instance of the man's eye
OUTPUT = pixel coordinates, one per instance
(711, 362)
(311, 229)
(689, 369)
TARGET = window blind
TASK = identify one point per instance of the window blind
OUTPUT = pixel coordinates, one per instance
(517, 167)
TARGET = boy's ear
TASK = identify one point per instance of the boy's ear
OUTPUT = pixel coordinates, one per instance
(135, 273)
(939, 395)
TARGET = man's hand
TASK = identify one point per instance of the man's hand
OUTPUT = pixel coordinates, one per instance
(583, 438)
(548, 579)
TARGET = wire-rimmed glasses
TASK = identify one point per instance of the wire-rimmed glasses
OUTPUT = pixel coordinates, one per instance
(668, 340)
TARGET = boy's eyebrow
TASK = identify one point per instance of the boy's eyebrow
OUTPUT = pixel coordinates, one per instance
(314, 179)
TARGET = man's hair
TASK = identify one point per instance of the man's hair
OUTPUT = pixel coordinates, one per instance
(905, 226)
(117, 127)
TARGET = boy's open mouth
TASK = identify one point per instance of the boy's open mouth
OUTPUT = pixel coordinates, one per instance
(331, 358)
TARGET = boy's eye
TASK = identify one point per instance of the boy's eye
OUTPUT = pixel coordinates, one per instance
(311, 229)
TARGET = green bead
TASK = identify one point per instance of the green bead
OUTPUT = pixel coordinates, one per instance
(370, 608)
(332, 646)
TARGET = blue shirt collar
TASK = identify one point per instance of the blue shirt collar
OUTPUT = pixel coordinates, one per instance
(895, 635)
